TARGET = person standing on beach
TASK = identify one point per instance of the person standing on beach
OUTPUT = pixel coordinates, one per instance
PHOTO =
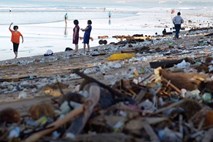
(15, 38)
(87, 32)
(76, 34)
(177, 21)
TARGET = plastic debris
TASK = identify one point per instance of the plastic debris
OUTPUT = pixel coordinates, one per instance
(120, 56)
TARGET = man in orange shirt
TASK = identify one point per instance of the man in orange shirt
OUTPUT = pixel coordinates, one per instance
(15, 38)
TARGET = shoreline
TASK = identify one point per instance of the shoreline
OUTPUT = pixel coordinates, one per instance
(41, 37)
(194, 32)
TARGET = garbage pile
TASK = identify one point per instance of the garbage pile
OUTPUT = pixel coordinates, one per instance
(168, 105)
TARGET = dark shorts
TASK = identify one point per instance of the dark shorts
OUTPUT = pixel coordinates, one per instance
(86, 39)
(15, 47)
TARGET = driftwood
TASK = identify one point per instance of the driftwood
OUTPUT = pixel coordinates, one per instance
(79, 123)
(103, 37)
(137, 123)
(69, 117)
(150, 132)
(168, 107)
(90, 79)
(128, 51)
(165, 63)
(100, 54)
(138, 98)
(200, 29)
(14, 79)
(123, 37)
(210, 34)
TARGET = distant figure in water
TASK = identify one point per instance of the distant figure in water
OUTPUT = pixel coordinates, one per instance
(109, 22)
(76, 34)
(15, 38)
(65, 20)
(87, 32)
(177, 21)
(109, 14)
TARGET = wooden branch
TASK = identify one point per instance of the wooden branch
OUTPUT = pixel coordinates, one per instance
(171, 85)
(79, 123)
(111, 90)
(168, 107)
(55, 125)
(138, 98)
(14, 79)
(165, 63)
(150, 132)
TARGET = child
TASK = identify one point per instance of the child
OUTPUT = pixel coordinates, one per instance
(87, 32)
(15, 39)
(76, 34)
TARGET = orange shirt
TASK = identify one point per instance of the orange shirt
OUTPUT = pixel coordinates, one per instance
(15, 38)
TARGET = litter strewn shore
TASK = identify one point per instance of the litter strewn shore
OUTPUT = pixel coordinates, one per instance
(156, 89)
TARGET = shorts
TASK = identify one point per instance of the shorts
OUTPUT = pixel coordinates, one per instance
(15, 47)
(86, 39)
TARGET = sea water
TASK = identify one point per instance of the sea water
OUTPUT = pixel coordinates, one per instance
(43, 27)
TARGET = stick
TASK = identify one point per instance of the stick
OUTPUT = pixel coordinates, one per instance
(15, 79)
(168, 107)
(140, 95)
(55, 125)
(79, 123)
(113, 91)
(171, 85)
(150, 132)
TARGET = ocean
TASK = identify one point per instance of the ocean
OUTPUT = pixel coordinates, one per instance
(42, 21)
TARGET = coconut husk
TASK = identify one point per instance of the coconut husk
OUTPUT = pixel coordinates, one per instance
(9, 115)
(189, 81)
(41, 109)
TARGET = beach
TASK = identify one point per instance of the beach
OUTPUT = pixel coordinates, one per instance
(140, 86)
(35, 78)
